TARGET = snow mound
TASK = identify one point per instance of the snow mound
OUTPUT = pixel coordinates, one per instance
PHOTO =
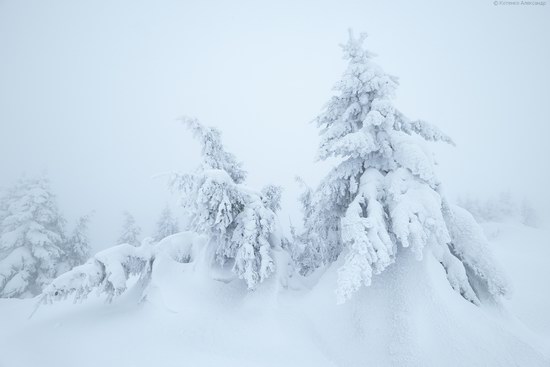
(409, 316)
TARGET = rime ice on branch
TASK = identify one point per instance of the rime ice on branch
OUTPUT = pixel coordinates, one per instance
(384, 192)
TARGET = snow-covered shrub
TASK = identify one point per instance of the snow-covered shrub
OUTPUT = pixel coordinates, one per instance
(384, 193)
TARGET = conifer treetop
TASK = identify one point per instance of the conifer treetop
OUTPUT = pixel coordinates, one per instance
(214, 156)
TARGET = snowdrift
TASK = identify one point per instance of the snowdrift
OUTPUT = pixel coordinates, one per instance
(409, 316)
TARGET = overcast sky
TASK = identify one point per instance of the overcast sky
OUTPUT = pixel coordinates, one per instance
(90, 92)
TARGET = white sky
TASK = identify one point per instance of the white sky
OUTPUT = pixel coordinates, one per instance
(90, 92)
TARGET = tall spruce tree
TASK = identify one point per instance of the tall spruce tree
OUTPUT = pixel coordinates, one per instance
(384, 193)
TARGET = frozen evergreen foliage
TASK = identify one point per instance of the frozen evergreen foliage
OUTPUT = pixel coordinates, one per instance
(167, 225)
(32, 242)
(78, 250)
(384, 193)
(130, 231)
(239, 221)
(502, 208)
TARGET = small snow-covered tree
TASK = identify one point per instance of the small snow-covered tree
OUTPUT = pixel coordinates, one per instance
(239, 221)
(32, 239)
(78, 244)
(167, 225)
(384, 193)
(130, 231)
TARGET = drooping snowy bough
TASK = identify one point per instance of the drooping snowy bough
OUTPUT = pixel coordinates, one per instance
(232, 229)
(107, 272)
(384, 193)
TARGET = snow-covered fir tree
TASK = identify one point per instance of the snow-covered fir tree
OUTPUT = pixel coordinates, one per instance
(32, 240)
(240, 221)
(383, 193)
(78, 248)
(166, 225)
(130, 230)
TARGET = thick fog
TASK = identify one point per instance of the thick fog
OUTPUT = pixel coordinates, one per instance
(90, 93)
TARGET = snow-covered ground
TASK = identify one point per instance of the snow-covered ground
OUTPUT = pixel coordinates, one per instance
(408, 317)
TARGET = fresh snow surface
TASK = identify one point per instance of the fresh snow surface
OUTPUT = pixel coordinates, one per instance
(409, 316)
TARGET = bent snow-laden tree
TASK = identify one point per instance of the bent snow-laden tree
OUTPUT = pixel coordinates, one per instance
(240, 222)
(231, 226)
(384, 192)
(33, 246)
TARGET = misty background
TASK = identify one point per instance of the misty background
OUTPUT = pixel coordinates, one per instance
(90, 93)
